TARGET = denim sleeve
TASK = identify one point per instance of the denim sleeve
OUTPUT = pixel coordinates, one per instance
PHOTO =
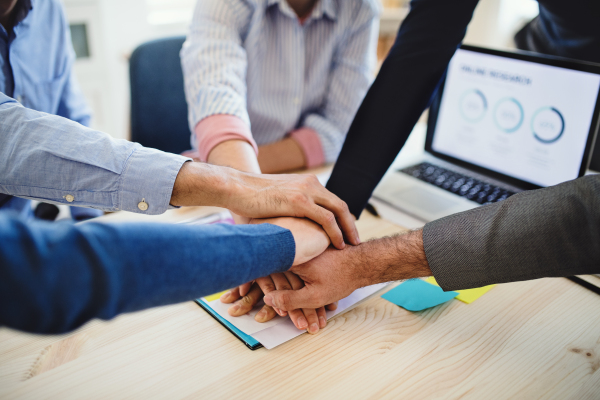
(49, 158)
(55, 277)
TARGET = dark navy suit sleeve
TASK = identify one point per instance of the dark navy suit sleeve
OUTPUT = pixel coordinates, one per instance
(403, 89)
(55, 277)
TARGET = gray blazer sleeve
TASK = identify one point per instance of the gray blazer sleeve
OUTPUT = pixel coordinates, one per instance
(548, 232)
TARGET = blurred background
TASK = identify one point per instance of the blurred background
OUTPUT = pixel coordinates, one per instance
(105, 33)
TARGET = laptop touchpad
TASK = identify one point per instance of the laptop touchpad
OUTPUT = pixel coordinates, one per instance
(425, 200)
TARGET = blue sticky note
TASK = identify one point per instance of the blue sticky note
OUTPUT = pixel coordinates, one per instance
(417, 295)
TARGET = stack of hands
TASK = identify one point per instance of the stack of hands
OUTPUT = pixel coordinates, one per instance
(330, 262)
(321, 226)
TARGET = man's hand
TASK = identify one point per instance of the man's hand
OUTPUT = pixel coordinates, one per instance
(327, 279)
(307, 318)
(337, 273)
(311, 241)
(264, 196)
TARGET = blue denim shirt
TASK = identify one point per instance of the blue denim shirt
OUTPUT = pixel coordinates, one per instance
(36, 68)
(55, 277)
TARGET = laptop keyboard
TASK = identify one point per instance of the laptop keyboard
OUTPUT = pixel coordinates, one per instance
(462, 185)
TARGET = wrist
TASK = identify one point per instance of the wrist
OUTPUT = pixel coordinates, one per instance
(393, 258)
(200, 184)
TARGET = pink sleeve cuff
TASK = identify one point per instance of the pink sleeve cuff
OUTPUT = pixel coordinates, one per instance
(220, 128)
(310, 143)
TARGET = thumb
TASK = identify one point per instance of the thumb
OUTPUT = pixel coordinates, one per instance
(289, 300)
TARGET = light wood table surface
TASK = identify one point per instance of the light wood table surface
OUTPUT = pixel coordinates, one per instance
(527, 340)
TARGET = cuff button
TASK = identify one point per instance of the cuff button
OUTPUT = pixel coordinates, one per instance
(142, 205)
(69, 198)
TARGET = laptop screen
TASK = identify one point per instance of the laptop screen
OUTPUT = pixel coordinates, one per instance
(517, 117)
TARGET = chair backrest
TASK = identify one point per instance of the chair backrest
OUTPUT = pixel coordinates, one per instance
(158, 105)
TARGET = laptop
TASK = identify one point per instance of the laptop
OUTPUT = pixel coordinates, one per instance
(499, 124)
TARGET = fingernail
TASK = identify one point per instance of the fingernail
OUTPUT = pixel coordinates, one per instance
(323, 322)
(314, 328)
(225, 296)
(262, 314)
(278, 311)
(302, 324)
(235, 308)
(268, 300)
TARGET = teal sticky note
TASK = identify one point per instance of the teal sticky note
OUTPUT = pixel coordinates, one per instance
(417, 295)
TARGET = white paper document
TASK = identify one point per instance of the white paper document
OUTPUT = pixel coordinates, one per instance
(246, 322)
(281, 329)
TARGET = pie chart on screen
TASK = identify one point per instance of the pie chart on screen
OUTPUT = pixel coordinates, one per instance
(548, 125)
(473, 105)
(509, 115)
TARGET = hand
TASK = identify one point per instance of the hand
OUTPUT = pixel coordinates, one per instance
(337, 273)
(310, 240)
(301, 196)
(310, 319)
(263, 196)
(327, 279)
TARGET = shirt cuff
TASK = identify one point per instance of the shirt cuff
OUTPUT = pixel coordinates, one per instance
(310, 143)
(220, 128)
(148, 178)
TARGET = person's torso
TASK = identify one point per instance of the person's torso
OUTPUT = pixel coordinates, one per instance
(35, 61)
(290, 63)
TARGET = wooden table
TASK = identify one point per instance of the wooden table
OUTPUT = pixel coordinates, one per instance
(527, 340)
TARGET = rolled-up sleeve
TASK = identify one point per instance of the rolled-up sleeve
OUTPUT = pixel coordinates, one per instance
(49, 158)
(214, 62)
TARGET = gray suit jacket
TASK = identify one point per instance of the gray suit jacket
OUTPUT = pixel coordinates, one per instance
(548, 232)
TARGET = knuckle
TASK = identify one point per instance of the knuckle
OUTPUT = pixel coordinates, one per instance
(344, 207)
(329, 217)
(312, 178)
(299, 198)
(285, 301)
(246, 301)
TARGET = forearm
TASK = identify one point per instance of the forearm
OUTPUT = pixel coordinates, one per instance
(236, 154)
(100, 270)
(404, 87)
(390, 259)
(284, 155)
(549, 232)
(239, 155)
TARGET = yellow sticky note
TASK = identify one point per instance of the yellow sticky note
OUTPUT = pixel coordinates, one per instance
(214, 296)
(466, 296)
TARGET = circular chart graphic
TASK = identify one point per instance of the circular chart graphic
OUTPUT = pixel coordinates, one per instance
(473, 105)
(547, 125)
(509, 115)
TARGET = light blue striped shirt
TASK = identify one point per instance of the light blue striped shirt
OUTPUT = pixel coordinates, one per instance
(255, 60)
(56, 160)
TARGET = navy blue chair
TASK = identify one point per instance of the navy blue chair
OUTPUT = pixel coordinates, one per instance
(158, 106)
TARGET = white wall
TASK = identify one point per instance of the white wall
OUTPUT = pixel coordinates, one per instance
(116, 28)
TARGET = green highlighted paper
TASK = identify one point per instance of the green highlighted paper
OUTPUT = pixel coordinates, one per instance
(417, 295)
